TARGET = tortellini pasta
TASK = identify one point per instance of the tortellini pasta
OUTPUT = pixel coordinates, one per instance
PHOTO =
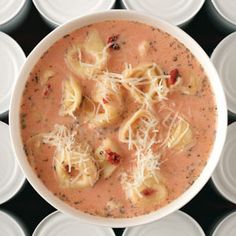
(107, 114)
(33, 148)
(46, 75)
(143, 48)
(180, 135)
(96, 48)
(150, 192)
(75, 169)
(193, 86)
(71, 97)
(113, 205)
(87, 111)
(95, 45)
(74, 163)
(108, 156)
(146, 82)
(108, 106)
(139, 123)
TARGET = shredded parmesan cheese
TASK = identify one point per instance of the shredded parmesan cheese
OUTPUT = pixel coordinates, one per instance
(147, 160)
(63, 139)
(147, 84)
(74, 162)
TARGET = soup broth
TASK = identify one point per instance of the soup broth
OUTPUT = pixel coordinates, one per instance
(118, 119)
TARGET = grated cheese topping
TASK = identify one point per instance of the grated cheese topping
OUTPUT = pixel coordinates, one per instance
(100, 61)
(156, 86)
(147, 84)
(63, 139)
(147, 160)
(68, 151)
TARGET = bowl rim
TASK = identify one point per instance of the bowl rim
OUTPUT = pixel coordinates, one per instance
(197, 51)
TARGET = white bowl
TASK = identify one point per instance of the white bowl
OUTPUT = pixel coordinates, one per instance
(201, 56)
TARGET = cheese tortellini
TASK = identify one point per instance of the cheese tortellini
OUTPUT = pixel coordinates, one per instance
(143, 48)
(180, 135)
(46, 76)
(76, 169)
(74, 163)
(96, 48)
(139, 123)
(33, 148)
(192, 86)
(107, 114)
(108, 156)
(105, 106)
(151, 191)
(71, 97)
(146, 82)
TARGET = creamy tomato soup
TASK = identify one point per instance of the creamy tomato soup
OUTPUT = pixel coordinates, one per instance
(118, 119)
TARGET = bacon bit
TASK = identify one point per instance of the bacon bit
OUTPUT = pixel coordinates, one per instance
(66, 168)
(47, 90)
(113, 41)
(104, 100)
(113, 38)
(115, 46)
(174, 74)
(73, 172)
(113, 157)
(148, 192)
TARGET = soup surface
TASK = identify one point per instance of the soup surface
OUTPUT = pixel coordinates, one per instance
(118, 119)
